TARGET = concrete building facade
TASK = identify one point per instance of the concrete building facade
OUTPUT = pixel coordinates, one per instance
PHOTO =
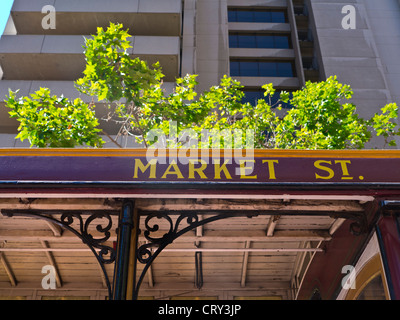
(280, 41)
(271, 255)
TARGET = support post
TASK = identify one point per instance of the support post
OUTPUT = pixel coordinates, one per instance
(132, 292)
(121, 270)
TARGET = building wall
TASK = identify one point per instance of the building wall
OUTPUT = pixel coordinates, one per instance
(384, 20)
(364, 57)
(192, 37)
(32, 57)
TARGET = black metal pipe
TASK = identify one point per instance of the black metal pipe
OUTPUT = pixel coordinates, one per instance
(123, 248)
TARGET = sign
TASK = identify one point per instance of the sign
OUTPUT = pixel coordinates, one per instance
(135, 166)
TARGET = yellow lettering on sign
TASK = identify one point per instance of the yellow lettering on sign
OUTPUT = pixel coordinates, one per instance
(330, 172)
(176, 171)
(140, 166)
(243, 169)
(218, 168)
(345, 170)
(271, 168)
(199, 171)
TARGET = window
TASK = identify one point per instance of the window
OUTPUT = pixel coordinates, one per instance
(249, 68)
(284, 69)
(257, 15)
(282, 42)
(258, 40)
(253, 95)
(260, 68)
(268, 69)
(370, 282)
(374, 290)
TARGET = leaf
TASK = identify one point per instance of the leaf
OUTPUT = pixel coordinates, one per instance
(321, 117)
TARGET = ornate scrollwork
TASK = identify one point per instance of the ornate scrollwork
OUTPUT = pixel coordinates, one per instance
(67, 219)
(104, 254)
(185, 222)
(144, 252)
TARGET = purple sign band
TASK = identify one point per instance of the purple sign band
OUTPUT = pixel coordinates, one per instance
(130, 169)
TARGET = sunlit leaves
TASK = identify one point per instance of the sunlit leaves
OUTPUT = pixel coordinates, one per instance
(320, 119)
(111, 73)
(383, 123)
(51, 121)
(322, 116)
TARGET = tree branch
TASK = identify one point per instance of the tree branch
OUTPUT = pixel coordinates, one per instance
(112, 139)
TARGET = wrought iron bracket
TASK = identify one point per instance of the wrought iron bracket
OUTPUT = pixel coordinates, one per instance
(185, 222)
(148, 252)
(104, 254)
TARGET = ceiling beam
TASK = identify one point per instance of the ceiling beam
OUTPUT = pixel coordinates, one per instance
(60, 204)
(336, 225)
(149, 272)
(103, 277)
(208, 236)
(52, 262)
(245, 264)
(271, 225)
(251, 286)
(194, 249)
(8, 270)
(199, 232)
(295, 280)
(150, 277)
(156, 205)
(57, 230)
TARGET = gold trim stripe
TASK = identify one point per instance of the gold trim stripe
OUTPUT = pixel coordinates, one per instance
(7, 152)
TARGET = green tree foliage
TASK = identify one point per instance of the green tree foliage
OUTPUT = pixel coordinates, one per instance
(51, 121)
(322, 117)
